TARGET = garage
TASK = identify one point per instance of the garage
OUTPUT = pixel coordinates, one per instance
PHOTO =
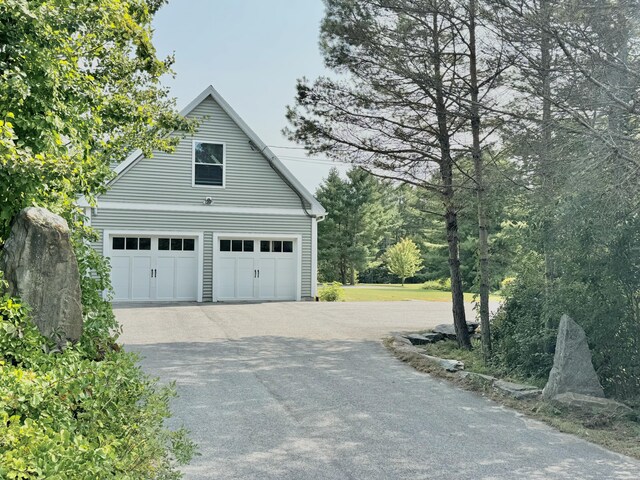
(162, 267)
(256, 268)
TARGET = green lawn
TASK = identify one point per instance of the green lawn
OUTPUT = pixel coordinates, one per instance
(394, 293)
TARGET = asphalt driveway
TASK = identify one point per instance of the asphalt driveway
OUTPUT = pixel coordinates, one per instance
(306, 391)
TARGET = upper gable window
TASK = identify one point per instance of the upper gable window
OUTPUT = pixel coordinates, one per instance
(208, 164)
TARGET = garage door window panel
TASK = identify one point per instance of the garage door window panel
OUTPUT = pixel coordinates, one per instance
(117, 243)
(189, 244)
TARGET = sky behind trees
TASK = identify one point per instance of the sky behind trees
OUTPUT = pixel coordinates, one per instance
(252, 52)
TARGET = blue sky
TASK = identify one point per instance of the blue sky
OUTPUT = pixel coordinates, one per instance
(252, 52)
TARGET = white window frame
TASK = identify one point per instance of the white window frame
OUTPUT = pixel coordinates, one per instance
(193, 163)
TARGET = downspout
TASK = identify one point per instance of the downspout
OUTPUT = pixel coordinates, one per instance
(284, 179)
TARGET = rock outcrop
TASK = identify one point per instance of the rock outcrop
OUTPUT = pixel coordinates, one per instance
(41, 268)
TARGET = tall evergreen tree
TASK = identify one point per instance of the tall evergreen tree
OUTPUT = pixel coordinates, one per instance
(349, 239)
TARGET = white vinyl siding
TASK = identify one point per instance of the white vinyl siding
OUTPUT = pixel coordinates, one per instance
(223, 224)
(167, 178)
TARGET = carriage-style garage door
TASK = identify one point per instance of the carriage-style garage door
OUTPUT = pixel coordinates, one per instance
(256, 268)
(153, 268)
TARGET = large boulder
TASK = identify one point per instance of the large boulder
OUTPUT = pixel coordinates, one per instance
(572, 368)
(41, 268)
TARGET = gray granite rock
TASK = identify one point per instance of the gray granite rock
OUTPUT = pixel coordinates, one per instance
(572, 367)
(444, 363)
(433, 337)
(448, 330)
(41, 268)
(516, 390)
(417, 339)
(424, 338)
(588, 402)
(400, 340)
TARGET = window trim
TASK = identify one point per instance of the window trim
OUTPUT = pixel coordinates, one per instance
(193, 163)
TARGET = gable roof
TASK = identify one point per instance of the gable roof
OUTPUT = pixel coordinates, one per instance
(288, 177)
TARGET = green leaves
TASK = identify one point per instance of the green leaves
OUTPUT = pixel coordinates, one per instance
(79, 89)
(80, 82)
(403, 259)
(67, 416)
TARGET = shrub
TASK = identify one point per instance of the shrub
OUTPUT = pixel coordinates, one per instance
(443, 284)
(331, 292)
(65, 416)
(525, 328)
(522, 342)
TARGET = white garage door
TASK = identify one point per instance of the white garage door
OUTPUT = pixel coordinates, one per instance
(154, 268)
(256, 269)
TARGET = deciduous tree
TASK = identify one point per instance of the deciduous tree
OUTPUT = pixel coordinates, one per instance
(403, 259)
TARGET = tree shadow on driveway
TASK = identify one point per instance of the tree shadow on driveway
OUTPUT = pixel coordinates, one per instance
(273, 407)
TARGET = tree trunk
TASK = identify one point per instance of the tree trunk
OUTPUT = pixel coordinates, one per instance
(451, 216)
(476, 152)
(545, 152)
(457, 296)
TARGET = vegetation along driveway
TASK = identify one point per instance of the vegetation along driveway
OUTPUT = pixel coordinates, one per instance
(307, 391)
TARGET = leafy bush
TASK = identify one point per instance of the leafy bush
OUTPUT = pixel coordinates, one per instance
(522, 342)
(64, 415)
(525, 328)
(331, 292)
(443, 285)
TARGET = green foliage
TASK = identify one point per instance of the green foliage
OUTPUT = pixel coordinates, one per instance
(403, 259)
(522, 341)
(331, 292)
(349, 238)
(65, 415)
(79, 87)
(506, 282)
(443, 285)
